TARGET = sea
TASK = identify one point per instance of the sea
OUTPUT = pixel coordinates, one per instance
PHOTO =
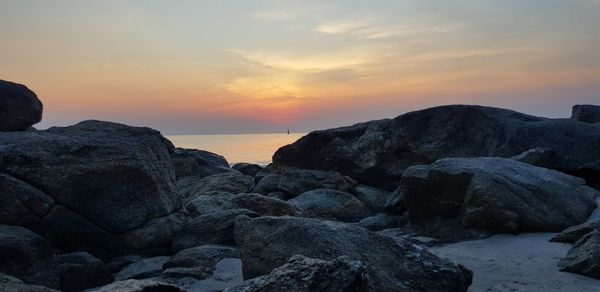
(251, 148)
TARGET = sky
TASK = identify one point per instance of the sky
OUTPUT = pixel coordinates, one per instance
(256, 66)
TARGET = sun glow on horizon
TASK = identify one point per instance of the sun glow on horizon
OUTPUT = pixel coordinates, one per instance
(198, 66)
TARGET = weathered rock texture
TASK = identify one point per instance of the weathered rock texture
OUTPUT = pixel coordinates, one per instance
(584, 257)
(20, 108)
(268, 242)
(495, 194)
(89, 184)
(586, 113)
(376, 153)
(302, 274)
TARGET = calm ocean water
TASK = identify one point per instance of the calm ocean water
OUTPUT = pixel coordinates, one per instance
(253, 148)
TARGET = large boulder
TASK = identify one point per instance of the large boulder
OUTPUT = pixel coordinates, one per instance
(332, 205)
(191, 187)
(584, 257)
(302, 274)
(220, 201)
(26, 255)
(20, 108)
(212, 228)
(290, 182)
(199, 163)
(104, 179)
(268, 242)
(586, 113)
(497, 194)
(376, 153)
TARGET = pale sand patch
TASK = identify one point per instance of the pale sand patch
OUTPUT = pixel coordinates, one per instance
(526, 262)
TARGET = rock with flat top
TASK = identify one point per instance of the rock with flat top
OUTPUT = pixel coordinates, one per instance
(376, 153)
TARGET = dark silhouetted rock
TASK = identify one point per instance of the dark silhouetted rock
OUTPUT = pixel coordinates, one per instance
(197, 262)
(22, 204)
(106, 179)
(268, 242)
(20, 108)
(219, 201)
(16, 287)
(584, 257)
(376, 199)
(198, 163)
(376, 153)
(80, 270)
(293, 182)
(27, 256)
(497, 194)
(586, 113)
(331, 204)
(574, 233)
(538, 157)
(247, 168)
(139, 286)
(142, 269)
(211, 228)
(302, 274)
(191, 187)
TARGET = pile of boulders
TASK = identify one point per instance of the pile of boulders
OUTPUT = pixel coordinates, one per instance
(118, 208)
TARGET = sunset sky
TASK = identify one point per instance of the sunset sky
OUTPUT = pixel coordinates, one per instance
(265, 66)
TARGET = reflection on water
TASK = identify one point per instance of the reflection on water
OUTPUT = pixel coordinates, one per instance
(253, 148)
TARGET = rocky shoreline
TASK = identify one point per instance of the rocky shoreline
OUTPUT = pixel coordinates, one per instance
(401, 204)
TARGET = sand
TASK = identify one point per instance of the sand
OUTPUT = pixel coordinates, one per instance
(526, 262)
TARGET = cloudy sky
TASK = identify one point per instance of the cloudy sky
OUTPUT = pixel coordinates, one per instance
(265, 66)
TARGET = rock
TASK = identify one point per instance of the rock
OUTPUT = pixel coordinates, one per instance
(105, 178)
(8, 279)
(495, 194)
(294, 182)
(142, 269)
(117, 264)
(263, 205)
(212, 228)
(379, 222)
(139, 286)
(374, 198)
(584, 257)
(304, 274)
(574, 233)
(247, 168)
(198, 163)
(160, 230)
(197, 262)
(331, 204)
(538, 157)
(268, 242)
(26, 255)
(191, 187)
(22, 204)
(586, 113)
(395, 202)
(376, 153)
(16, 287)
(80, 270)
(20, 108)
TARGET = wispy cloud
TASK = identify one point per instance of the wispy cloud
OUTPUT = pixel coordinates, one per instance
(367, 28)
